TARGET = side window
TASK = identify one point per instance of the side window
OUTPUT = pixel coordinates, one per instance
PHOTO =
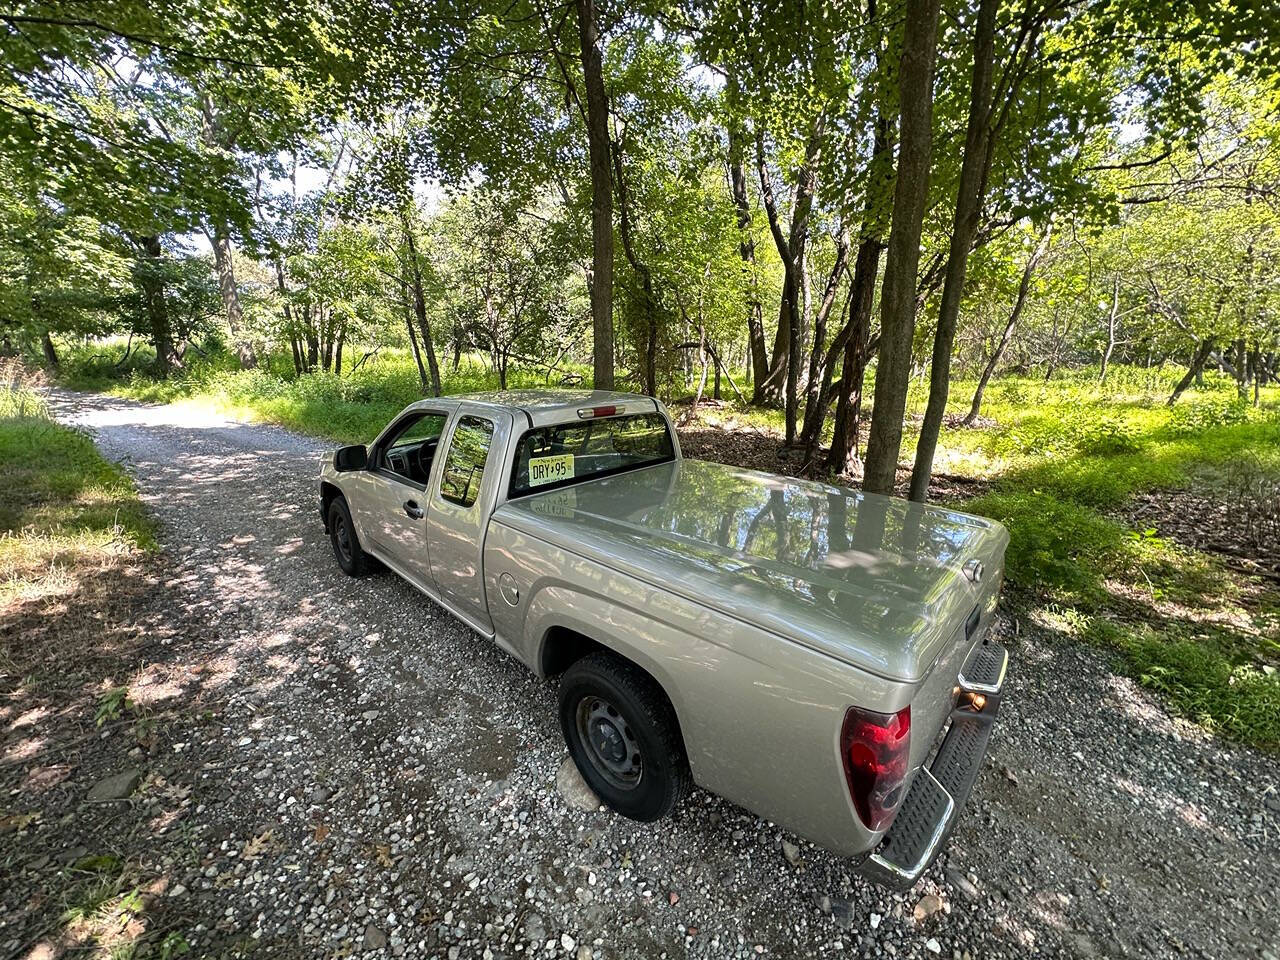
(464, 466)
(409, 452)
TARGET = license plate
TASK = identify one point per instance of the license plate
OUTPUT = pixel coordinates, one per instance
(544, 470)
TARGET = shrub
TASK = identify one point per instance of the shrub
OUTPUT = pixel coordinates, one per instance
(1055, 546)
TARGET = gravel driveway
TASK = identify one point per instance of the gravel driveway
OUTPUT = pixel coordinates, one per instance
(366, 775)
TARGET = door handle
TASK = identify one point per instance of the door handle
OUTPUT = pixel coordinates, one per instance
(412, 509)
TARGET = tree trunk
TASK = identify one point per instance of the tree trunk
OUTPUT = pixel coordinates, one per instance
(1024, 287)
(299, 366)
(1193, 369)
(773, 388)
(597, 109)
(326, 340)
(822, 358)
(702, 365)
(420, 306)
(843, 456)
(50, 354)
(898, 295)
(217, 136)
(230, 293)
(151, 282)
(979, 141)
(784, 373)
(1242, 376)
(642, 270)
(1111, 331)
(413, 343)
(747, 250)
(1255, 371)
(795, 345)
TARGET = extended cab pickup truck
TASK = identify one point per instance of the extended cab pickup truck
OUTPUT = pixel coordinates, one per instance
(812, 653)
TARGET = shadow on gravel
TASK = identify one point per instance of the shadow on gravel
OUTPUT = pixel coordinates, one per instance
(101, 683)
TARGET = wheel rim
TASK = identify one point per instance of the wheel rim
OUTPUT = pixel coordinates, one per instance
(609, 742)
(342, 538)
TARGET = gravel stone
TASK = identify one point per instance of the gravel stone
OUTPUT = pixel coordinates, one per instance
(117, 787)
(574, 789)
(374, 939)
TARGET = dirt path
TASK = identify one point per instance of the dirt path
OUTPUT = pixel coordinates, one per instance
(340, 767)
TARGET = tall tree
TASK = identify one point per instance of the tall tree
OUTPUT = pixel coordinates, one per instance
(898, 296)
(597, 120)
(968, 203)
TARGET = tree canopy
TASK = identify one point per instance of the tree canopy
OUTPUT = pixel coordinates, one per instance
(780, 199)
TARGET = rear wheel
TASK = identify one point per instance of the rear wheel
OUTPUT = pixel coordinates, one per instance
(623, 735)
(346, 545)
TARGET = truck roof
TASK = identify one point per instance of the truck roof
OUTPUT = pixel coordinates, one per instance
(544, 407)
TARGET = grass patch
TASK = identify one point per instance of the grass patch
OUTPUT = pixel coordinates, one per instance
(1064, 460)
(1055, 545)
(1207, 674)
(64, 504)
(347, 408)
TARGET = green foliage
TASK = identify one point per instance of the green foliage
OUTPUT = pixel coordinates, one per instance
(111, 705)
(1205, 674)
(1191, 419)
(1055, 546)
(174, 945)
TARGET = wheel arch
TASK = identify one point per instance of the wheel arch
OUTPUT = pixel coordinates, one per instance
(562, 646)
(328, 493)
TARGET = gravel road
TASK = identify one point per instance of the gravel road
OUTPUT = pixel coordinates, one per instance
(367, 776)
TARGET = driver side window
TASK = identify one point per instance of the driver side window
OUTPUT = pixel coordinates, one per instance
(408, 453)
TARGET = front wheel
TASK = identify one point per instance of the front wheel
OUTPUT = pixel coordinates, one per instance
(623, 735)
(346, 545)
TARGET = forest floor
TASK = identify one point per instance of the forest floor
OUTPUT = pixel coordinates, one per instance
(223, 747)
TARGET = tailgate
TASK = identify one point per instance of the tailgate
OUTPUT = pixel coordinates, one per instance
(935, 697)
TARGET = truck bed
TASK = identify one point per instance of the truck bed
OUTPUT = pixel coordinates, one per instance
(873, 581)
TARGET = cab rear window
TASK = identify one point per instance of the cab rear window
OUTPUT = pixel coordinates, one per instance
(550, 457)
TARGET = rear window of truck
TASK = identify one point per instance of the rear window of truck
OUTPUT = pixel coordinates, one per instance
(550, 457)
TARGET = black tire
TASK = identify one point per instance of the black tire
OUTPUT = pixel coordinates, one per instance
(639, 767)
(346, 545)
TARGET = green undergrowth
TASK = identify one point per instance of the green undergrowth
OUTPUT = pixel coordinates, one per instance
(64, 503)
(1063, 463)
(349, 408)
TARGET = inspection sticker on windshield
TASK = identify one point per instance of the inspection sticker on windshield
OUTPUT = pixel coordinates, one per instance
(550, 469)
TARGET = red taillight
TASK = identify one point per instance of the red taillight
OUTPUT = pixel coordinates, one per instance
(876, 748)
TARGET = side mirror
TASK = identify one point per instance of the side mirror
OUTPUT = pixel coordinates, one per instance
(354, 457)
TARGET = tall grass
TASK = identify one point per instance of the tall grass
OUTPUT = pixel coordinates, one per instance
(18, 397)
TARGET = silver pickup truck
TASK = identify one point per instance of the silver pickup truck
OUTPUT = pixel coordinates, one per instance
(814, 654)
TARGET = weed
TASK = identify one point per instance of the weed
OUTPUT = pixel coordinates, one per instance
(111, 705)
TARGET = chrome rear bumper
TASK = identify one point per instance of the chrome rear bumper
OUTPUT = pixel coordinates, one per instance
(932, 805)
